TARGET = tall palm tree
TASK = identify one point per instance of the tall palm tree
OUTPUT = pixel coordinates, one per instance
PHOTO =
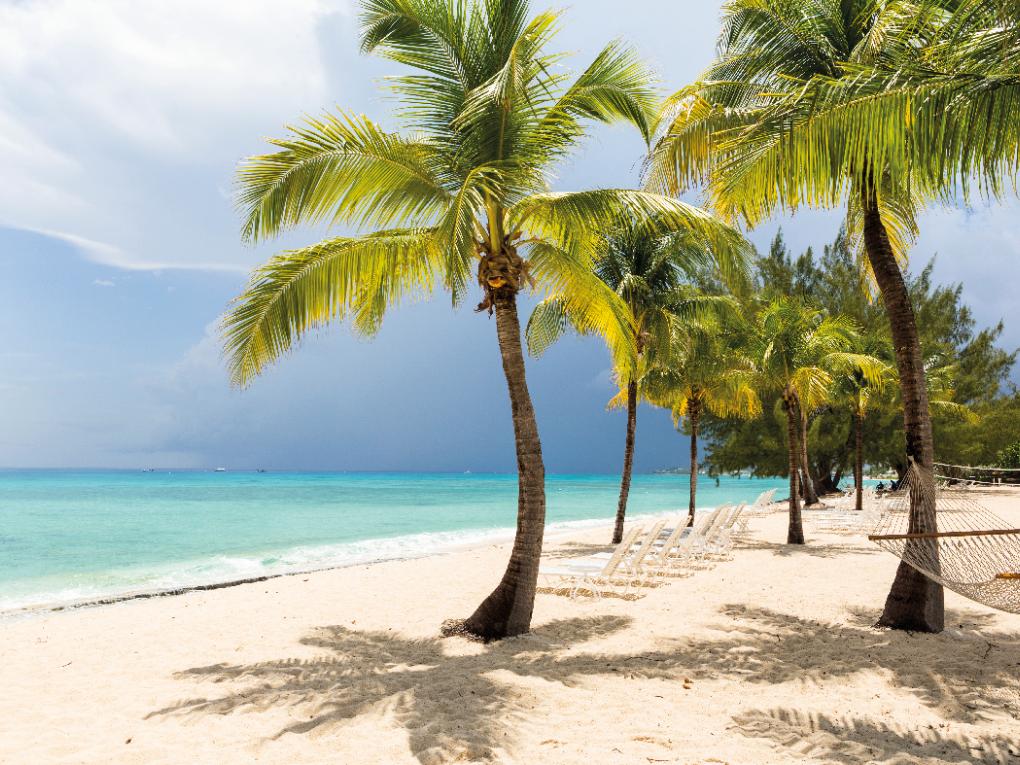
(462, 193)
(747, 129)
(646, 269)
(704, 371)
(797, 350)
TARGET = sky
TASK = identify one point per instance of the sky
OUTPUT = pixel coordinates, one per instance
(121, 125)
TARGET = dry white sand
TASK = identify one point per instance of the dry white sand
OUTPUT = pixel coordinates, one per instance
(776, 647)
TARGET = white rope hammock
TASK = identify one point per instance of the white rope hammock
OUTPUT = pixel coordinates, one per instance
(953, 540)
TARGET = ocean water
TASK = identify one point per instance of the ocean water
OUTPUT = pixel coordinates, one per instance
(69, 537)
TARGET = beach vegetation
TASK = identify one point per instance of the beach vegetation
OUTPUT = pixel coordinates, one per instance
(706, 371)
(1009, 457)
(975, 411)
(815, 104)
(798, 351)
(650, 272)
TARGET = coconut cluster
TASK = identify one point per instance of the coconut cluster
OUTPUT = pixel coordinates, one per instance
(504, 269)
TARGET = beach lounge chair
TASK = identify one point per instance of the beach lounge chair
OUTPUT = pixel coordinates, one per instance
(761, 507)
(589, 573)
(719, 542)
(675, 560)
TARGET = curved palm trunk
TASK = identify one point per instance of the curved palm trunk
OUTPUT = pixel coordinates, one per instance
(694, 418)
(507, 611)
(859, 459)
(810, 495)
(915, 602)
(628, 461)
(795, 532)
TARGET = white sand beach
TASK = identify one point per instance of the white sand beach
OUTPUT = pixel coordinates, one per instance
(767, 658)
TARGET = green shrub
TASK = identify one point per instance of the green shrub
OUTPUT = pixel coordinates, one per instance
(1010, 456)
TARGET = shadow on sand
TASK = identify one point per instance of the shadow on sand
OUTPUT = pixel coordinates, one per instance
(855, 740)
(469, 707)
(811, 549)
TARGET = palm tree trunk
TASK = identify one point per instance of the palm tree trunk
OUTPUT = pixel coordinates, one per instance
(810, 495)
(795, 532)
(628, 461)
(507, 611)
(859, 459)
(915, 602)
(693, 417)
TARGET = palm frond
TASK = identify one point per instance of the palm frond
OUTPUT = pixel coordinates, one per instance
(300, 290)
(340, 168)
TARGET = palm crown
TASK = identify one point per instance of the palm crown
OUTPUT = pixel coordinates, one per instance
(747, 128)
(943, 102)
(489, 114)
(798, 350)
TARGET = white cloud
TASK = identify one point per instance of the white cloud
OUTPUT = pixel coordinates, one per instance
(104, 283)
(121, 122)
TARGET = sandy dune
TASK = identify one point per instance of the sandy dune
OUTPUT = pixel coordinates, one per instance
(776, 647)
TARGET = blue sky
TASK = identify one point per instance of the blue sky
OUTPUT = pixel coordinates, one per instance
(120, 127)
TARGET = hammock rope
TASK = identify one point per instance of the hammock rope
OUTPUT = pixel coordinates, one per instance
(952, 539)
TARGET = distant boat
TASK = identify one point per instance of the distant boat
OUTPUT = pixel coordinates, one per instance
(220, 470)
(260, 470)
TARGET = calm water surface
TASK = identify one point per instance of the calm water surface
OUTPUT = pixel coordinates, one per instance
(70, 536)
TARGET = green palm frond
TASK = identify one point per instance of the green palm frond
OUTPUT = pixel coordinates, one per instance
(303, 289)
(546, 325)
(615, 86)
(340, 168)
(562, 215)
(592, 307)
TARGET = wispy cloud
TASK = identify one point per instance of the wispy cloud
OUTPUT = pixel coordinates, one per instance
(104, 283)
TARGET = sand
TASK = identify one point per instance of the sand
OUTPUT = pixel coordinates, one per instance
(767, 658)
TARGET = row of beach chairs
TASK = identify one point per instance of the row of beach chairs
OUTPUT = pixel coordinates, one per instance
(647, 557)
(758, 509)
(841, 516)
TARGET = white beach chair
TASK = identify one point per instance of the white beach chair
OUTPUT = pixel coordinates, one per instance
(580, 574)
(702, 544)
(761, 507)
(677, 560)
(635, 568)
(657, 562)
(719, 542)
(625, 567)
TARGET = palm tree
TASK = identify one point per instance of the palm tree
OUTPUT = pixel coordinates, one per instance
(748, 130)
(462, 193)
(859, 390)
(646, 270)
(703, 372)
(796, 349)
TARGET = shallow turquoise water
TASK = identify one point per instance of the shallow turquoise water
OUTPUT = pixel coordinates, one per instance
(72, 536)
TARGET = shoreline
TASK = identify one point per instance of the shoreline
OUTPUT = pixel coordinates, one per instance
(495, 537)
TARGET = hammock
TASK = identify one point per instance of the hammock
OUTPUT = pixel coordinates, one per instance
(954, 541)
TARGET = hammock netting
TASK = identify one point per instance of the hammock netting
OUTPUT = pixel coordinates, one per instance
(951, 539)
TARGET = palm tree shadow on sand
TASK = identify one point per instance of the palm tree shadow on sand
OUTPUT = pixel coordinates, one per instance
(457, 707)
(453, 707)
(847, 739)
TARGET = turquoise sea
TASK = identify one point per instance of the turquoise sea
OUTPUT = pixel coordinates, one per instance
(75, 536)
